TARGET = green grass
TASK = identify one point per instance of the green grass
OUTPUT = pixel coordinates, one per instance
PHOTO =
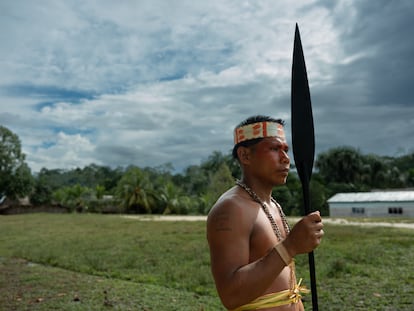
(97, 262)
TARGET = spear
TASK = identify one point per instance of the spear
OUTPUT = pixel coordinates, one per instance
(303, 137)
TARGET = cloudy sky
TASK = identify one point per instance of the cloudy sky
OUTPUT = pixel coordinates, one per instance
(149, 82)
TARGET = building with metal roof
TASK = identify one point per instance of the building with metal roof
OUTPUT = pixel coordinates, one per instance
(372, 204)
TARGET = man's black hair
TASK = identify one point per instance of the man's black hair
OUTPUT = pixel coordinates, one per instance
(250, 120)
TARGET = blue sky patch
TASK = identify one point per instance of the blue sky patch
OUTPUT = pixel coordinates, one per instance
(50, 93)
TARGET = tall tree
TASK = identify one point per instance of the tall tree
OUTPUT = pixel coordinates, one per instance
(340, 165)
(15, 176)
(136, 191)
(170, 199)
(220, 181)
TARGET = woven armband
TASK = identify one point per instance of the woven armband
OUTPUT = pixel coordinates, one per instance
(283, 253)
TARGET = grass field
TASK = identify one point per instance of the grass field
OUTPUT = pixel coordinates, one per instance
(96, 262)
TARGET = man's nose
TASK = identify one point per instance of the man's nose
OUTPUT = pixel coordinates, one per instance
(284, 157)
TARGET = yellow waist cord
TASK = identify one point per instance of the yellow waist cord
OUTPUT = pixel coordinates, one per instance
(281, 298)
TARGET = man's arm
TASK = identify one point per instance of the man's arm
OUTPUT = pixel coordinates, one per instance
(238, 282)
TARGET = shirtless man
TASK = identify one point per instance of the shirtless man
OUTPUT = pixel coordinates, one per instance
(251, 244)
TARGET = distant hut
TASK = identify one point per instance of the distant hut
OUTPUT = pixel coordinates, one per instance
(9, 206)
(372, 204)
(23, 205)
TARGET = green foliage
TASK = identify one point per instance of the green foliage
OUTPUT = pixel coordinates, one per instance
(136, 191)
(318, 197)
(171, 200)
(15, 176)
(74, 197)
(349, 170)
(41, 194)
(220, 181)
(99, 191)
(89, 176)
(195, 180)
(158, 190)
(343, 164)
(194, 191)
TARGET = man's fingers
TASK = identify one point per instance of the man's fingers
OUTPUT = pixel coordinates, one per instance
(315, 216)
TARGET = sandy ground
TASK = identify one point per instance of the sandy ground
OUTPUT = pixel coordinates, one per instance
(335, 221)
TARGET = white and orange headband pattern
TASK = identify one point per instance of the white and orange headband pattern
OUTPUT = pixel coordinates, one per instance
(258, 130)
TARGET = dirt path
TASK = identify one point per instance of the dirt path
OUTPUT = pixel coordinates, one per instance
(341, 221)
(334, 221)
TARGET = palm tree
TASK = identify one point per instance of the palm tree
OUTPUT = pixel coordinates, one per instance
(73, 197)
(169, 197)
(136, 191)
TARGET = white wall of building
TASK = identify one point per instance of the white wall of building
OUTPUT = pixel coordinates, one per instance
(371, 209)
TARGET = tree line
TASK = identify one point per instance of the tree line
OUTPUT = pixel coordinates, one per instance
(159, 190)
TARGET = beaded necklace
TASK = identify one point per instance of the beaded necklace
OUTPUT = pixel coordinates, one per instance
(275, 227)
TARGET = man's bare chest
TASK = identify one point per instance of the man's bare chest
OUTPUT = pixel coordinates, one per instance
(263, 237)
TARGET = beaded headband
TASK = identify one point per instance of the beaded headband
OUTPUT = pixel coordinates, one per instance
(258, 130)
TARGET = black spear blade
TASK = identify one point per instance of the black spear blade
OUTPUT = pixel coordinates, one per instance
(303, 138)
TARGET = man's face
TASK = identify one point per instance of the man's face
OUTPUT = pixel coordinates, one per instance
(269, 159)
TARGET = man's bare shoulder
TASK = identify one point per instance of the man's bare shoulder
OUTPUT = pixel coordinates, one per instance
(228, 202)
(231, 207)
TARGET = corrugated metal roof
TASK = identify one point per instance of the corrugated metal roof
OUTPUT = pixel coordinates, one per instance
(377, 196)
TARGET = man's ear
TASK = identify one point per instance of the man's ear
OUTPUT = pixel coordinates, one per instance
(243, 154)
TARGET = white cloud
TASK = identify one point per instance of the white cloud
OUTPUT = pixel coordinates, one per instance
(150, 82)
(66, 151)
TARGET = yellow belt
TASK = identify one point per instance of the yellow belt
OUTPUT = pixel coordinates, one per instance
(281, 298)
